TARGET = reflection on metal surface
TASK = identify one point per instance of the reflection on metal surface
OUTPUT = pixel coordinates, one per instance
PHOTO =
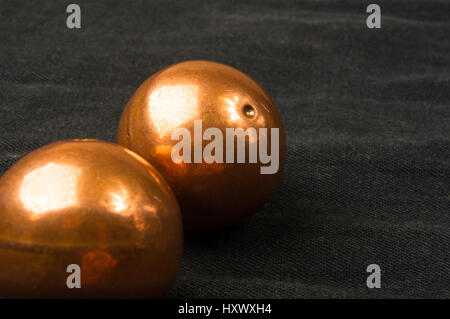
(232, 108)
(94, 264)
(171, 106)
(50, 187)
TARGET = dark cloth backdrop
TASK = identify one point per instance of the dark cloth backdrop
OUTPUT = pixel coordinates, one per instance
(367, 116)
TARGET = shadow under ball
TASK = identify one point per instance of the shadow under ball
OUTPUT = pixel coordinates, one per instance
(211, 195)
(94, 204)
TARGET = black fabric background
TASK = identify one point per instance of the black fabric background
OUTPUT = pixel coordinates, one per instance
(367, 117)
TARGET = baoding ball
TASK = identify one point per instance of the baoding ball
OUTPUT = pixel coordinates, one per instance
(88, 219)
(214, 134)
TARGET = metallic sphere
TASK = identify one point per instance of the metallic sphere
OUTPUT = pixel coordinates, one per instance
(93, 204)
(211, 194)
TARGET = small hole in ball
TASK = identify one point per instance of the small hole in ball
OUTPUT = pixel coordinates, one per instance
(249, 111)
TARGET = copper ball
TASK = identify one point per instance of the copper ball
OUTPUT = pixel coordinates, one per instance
(94, 204)
(211, 195)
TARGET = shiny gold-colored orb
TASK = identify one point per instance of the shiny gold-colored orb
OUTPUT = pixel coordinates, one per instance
(213, 194)
(93, 204)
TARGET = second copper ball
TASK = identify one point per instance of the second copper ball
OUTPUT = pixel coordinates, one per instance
(92, 204)
(214, 194)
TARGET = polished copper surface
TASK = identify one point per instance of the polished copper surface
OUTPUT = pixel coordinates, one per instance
(91, 203)
(210, 195)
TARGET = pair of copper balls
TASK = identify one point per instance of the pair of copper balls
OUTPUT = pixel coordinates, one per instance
(115, 213)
